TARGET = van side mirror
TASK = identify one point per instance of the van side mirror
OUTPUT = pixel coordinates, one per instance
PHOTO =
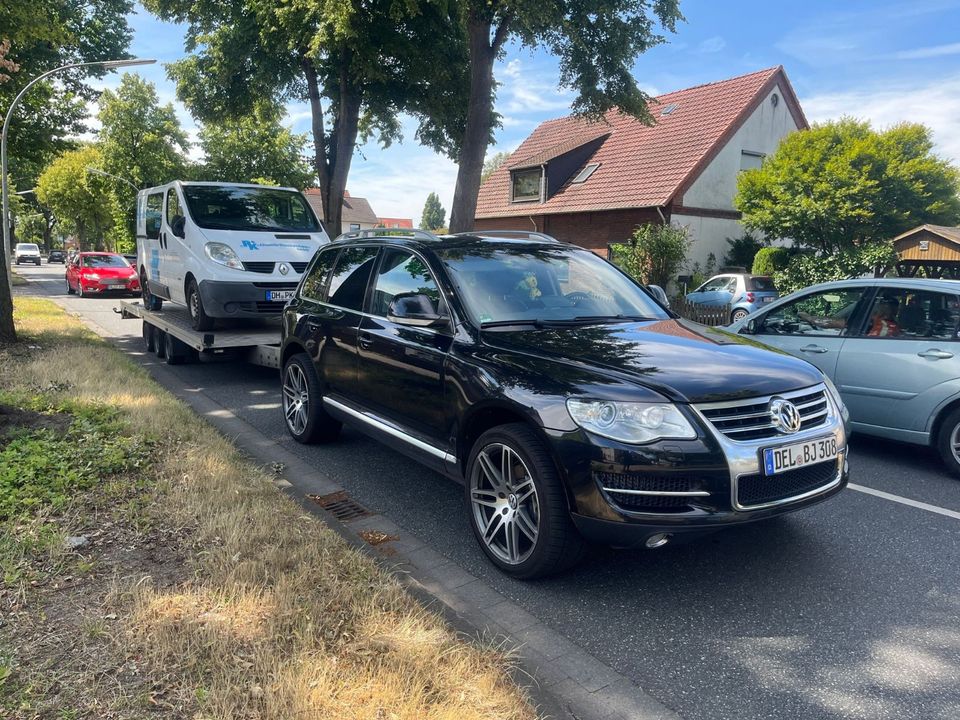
(414, 309)
(178, 226)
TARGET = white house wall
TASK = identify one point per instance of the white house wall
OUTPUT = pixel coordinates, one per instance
(716, 186)
(709, 236)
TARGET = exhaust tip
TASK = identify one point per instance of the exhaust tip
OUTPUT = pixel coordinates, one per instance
(658, 540)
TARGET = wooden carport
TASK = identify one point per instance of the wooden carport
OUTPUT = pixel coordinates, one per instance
(931, 251)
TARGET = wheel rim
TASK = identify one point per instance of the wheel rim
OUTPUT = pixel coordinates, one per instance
(194, 304)
(739, 315)
(505, 504)
(955, 443)
(296, 399)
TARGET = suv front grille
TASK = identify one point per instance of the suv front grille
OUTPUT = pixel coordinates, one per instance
(751, 420)
(640, 492)
(259, 267)
(759, 489)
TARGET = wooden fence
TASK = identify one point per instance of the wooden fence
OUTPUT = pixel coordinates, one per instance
(704, 314)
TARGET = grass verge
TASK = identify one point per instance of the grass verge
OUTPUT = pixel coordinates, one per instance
(18, 280)
(197, 589)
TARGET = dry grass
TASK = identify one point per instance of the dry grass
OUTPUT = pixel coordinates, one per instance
(275, 616)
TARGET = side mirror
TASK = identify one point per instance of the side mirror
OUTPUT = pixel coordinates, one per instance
(177, 227)
(659, 293)
(414, 309)
(751, 327)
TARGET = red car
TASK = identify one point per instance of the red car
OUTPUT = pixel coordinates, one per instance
(93, 273)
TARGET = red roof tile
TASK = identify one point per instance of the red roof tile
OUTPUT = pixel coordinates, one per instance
(640, 165)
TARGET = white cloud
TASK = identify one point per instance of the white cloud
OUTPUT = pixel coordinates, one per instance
(712, 45)
(512, 69)
(935, 104)
(929, 52)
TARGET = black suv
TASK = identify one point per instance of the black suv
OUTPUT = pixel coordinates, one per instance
(564, 397)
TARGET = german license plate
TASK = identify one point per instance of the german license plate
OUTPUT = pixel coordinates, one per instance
(279, 295)
(766, 299)
(790, 457)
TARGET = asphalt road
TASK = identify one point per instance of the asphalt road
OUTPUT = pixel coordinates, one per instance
(850, 609)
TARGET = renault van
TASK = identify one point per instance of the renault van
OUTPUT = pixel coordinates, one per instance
(224, 250)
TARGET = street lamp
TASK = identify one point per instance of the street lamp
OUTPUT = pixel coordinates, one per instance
(109, 65)
(97, 171)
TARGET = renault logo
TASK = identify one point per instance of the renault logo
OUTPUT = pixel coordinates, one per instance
(785, 416)
(284, 268)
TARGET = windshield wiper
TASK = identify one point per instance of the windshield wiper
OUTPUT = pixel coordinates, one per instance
(561, 322)
(616, 318)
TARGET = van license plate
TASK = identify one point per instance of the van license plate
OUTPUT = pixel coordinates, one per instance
(790, 457)
(279, 295)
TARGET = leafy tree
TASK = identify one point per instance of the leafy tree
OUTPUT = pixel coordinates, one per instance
(492, 164)
(357, 64)
(769, 260)
(255, 147)
(81, 200)
(842, 185)
(809, 268)
(597, 43)
(655, 253)
(742, 251)
(433, 213)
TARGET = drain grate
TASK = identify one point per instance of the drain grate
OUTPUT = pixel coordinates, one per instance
(341, 506)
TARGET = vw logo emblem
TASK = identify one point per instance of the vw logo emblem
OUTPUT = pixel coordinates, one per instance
(284, 268)
(785, 416)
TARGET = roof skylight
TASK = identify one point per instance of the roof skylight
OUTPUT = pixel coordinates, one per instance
(668, 109)
(585, 173)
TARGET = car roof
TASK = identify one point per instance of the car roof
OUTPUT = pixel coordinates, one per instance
(918, 283)
(426, 240)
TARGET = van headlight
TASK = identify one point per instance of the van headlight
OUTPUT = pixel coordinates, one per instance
(631, 422)
(223, 254)
(835, 394)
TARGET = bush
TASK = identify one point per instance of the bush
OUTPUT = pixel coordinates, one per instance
(654, 255)
(809, 269)
(742, 251)
(770, 259)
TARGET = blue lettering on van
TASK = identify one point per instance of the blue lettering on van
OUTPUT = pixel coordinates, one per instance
(155, 263)
(249, 244)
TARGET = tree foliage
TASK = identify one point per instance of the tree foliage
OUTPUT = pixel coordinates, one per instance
(742, 251)
(596, 42)
(81, 200)
(434, 216)
(492, 164)
(255, 147)
(768, 260)
(655, 253)
(810, 268)
(842, 185)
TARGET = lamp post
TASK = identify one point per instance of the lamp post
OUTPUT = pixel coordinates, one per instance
(97, 171)
(108, 64)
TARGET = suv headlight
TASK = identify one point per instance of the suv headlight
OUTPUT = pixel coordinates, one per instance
(631, 422)
(223, 254)
(835, 394)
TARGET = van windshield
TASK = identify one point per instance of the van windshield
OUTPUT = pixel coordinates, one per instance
(28, 246)
(248, 208)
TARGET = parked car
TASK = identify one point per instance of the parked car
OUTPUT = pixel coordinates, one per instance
(570, 404)
(742, 292)
(56, 256)
(223, 249)
(100, 272)
(890, 345)
(26, 253)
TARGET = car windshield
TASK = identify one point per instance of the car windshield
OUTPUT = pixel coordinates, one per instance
(500, 284)
(28, 246)
(104, 261)
(249, 208)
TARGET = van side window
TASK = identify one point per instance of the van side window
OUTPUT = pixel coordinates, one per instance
(315, 284)
(348, 284)
(173, 206)
(154, 214)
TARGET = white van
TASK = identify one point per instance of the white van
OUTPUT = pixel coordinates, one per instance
(223, 249)
(26, 252)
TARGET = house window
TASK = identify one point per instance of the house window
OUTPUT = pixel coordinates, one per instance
(750, 160)
(585, 173)
(354, 226)
(525, 185)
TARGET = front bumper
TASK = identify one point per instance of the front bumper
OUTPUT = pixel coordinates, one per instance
(242, 299)
(93, 286)
(622, 495)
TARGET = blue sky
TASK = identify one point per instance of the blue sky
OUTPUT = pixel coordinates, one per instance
(875, 59)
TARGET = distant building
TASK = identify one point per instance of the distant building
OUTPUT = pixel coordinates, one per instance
(395, 223)
(357, 213)
(593, 183)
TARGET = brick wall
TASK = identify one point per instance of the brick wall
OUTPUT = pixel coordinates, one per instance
(593, 230)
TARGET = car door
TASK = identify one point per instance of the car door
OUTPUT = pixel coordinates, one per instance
(401, 366)
(904, 361)
(174, 252)
(814, 325)
(73, 272)
(153, 254)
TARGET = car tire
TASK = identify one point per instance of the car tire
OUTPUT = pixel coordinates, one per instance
(174, 351)
(150, 301)
(948, 442)
(738, 314)
(540, 539)
(70, 289)
(302, 403)
(198, 316)
(149, 337)
(80, 288)
(161, 343)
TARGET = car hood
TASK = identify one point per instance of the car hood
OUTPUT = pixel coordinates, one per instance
(111, 272)
(680, 359)
(253, 246)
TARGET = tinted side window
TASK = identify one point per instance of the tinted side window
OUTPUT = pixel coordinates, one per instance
(154, 214)
(348, 284)
(821, 313)
(173, 206)
(761, 284)
(402, 272)
(315, 284)
(913, 315)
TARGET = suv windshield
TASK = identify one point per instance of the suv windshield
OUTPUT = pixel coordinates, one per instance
(248, 208)
(104, 261)
(530, 283)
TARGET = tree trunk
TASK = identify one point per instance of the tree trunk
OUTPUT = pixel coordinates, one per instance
(479, 120)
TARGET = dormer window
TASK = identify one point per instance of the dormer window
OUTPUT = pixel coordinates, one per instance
(525, 185)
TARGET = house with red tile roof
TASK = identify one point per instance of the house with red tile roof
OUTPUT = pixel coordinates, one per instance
(356, 214)
(593, 183)
(395, 222)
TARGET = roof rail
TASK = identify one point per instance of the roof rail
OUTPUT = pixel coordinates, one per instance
(518, 234)
(387, 232)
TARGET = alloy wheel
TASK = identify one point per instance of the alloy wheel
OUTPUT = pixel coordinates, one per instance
(505, 504)
(955, 443)
(296, 399)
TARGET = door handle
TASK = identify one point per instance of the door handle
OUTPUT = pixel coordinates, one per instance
(935, 354)
(365, 341)
(813, 349)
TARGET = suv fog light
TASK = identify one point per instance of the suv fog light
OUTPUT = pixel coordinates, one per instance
(658, 540)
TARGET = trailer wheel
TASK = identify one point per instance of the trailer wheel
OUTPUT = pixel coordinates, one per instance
(149, 337)
(174, 350)
(198, 316)
(305, 418)
(161, 343)
(150, 301)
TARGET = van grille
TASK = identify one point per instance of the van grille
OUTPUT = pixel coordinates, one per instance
(750, 419)
(299, 267)
(259, 267)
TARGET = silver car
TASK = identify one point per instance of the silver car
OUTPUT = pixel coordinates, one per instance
(889, 344)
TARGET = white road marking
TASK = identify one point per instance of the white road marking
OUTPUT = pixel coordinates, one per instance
(905, 501)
